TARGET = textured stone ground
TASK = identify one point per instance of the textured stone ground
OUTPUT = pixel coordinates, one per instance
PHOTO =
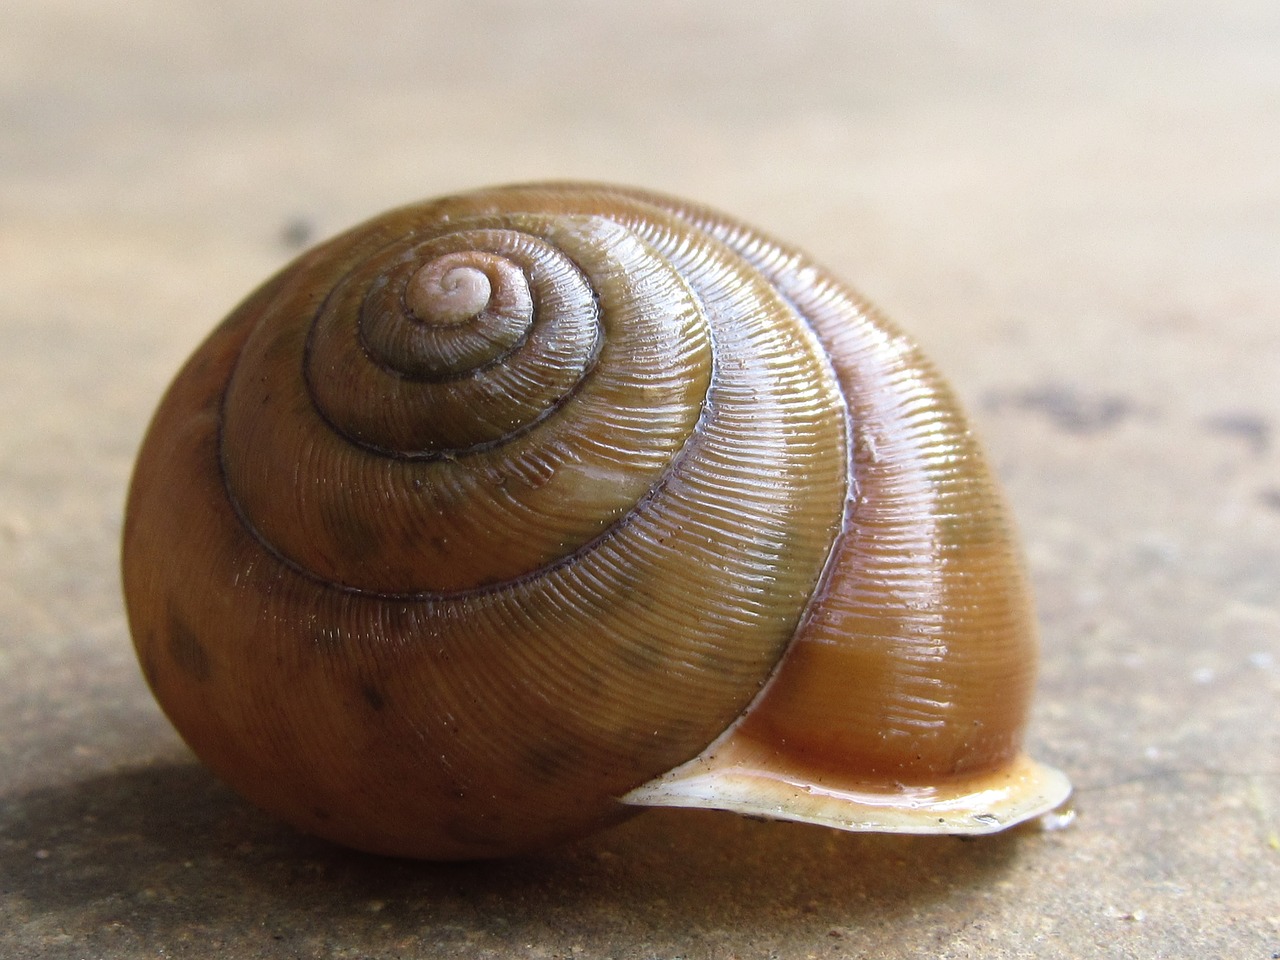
(1073, 205)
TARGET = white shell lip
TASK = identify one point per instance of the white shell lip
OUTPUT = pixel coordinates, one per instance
(980, 804)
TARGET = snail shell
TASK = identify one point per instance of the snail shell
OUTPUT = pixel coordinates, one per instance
(499, 516)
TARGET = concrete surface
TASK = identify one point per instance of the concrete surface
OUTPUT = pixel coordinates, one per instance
(1074, 205)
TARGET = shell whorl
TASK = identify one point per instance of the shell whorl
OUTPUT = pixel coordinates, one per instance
(499, 508)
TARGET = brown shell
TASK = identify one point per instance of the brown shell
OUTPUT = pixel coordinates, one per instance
(500, 510)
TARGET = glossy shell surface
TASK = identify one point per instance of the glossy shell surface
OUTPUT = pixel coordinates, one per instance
(499, 514)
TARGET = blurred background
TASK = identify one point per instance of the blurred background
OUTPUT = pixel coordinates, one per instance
(1073, 205)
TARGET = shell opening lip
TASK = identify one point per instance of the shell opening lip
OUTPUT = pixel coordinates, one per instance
(973, 805)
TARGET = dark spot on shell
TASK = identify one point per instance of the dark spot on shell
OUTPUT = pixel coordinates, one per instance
(186, 649)
(648, 659)
(1067, 408)
(373, 696)
(356, 537)
(1270, 497)
(550, 762)
(320, 813)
